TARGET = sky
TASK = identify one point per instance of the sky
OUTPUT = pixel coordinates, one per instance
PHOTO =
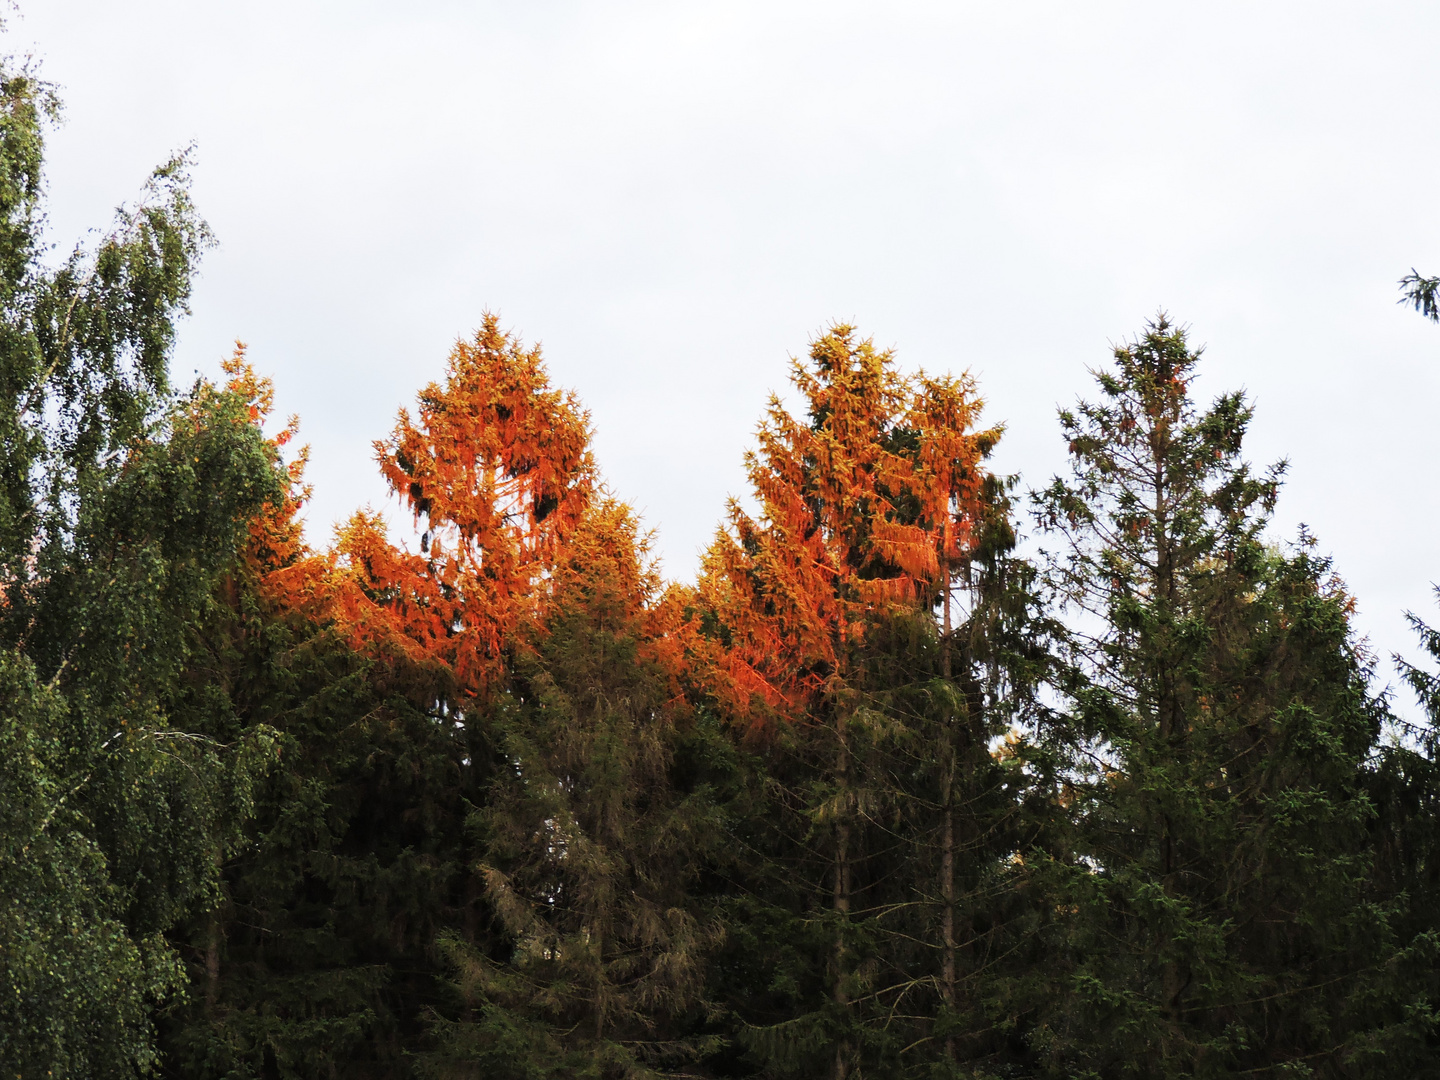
(674, 198)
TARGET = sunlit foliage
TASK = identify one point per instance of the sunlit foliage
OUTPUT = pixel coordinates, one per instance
(885, 792)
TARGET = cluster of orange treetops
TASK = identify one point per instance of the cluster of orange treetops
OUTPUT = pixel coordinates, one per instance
(867, 506)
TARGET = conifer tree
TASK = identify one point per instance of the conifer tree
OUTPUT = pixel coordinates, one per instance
(497, 472)
(362, 856)
(590, 848)
(1219, 924)
(864, 503)
(1421, 293)
(315, 958)
(530, 631)
(1402, 1007)
(954, 497)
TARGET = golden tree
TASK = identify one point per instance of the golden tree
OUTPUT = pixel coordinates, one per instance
(496, 470)
(867, 505)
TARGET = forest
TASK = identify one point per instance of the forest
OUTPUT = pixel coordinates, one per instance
(928, 774)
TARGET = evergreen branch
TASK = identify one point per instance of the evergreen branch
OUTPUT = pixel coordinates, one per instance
(1421, 293)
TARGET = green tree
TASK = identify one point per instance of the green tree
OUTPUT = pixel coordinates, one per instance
(126, 803)
(121, 505)
(591, 849)
(1214, 686)
(316, 956)
(1404, 1010)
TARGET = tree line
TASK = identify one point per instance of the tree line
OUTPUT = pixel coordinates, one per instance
(879, 794)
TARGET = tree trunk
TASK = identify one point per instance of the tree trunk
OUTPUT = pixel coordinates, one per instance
(601, 998)
(213, 933)
(1170, 713)
(947, 837)
(212, 963)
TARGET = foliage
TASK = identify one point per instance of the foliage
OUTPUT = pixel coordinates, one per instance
(867, 506)
(592, 848)
(1221, 922)
(497, 472)
(121, 506)
(314, 959)
(876, 794)
(1422, 293)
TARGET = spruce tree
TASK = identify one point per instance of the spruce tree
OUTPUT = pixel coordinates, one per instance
(1221, 708)
(1421, 293)
(1402, 1006)
(591, 849)
(821, 607)
(316, 956)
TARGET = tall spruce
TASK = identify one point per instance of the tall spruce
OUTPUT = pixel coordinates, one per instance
(497, 471)
(316, 957)
(591, 850)
(823, 607)
(1221, 707)
(1403, 1008)
(545, 638)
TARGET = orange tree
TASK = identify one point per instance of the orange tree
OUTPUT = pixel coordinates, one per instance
(496, 470)
(532, 618)
(384, 669)
(817, 608)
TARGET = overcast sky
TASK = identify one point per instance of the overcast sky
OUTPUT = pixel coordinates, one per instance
(673, 197)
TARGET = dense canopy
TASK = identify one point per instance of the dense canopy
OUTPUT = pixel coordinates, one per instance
(886, 791)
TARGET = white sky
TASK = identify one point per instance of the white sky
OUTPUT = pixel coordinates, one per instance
(673, 197)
